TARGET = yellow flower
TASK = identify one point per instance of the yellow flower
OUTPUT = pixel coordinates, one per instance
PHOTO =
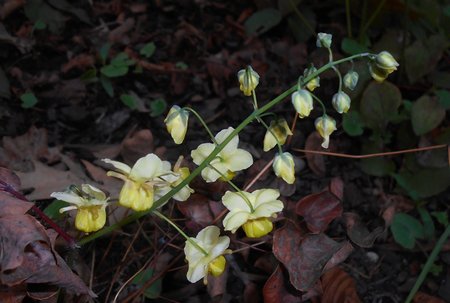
(200, 264)
(172, 180)
(341, 102)
(177, 123)
(351, 80)
(280, 129)
(284, 167)
(313, 83)
(140, 181)
(90, 203)
(248, 80)
(229, 160)
(383, 65)
(251, 211)
(303, 102)
(325, 125)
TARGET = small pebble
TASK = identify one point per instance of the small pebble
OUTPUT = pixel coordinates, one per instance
(373, 257)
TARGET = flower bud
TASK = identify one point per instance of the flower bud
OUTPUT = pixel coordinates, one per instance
(341, 102)
(303, 102)
(257, 228)
(351, 80)
(324, 40)
(313, 83)
(284, 167)
(177, 123)
(278, 132)
(248, 79)
(325, 125)
(385, 61)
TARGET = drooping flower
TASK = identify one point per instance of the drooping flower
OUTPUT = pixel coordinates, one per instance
(177, 123)
(341, 102)
(251, 211)
(284, 167)
(229, 160)
(324, 40)
(90, 203)
(351, 80)
(383, 65)
(140, 181)
(303, 102)
(208, 260)
(278, 132)
(313, 83)
(174, 179)
(325, 125)
(248, 80)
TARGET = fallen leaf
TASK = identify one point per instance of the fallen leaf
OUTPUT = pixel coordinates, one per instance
(12, 206)
(119, 34)
(340, 256)
(358, 232)
(137, 145)
(275, 289)
(316, 162)
(12, 294)
(319, 210)
(10, 178)
(81, 62)
(110, 185)
(196, 209)
(336, 187)
(422, 297)
(338, 287)
(8, 7)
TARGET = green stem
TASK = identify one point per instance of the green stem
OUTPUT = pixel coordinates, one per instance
(302, 18)
(330, 53)
(157, 213)
(363, 19)
(280, 149)
(372, 17)
(202, 122)
(215, 152)
(349, 20)
(426, 268)
(320, 102)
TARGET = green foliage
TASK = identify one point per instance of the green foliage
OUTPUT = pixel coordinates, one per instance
(262, 21)
(153, 291)
(158, 107)
(148, 50)
(129, 100)
(353, 123)
(426, 114)
(406, 230)
(353, 47)
(28, 100)
(52, 211)
(118, 67)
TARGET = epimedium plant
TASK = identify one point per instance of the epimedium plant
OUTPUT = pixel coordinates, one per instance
(151, 182)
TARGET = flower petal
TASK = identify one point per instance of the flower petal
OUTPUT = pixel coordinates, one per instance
(210, 174)
(232, 145)
(208, 235)
(202, 151)
(234, 201)
(234, 220)
(146, 168)
(266, 195)
(220, 247)
(68, 197)
(267, 209)
(197, 272)
(122, 167)
(240, 159)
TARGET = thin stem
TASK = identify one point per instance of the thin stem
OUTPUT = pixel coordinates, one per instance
(427, 267)
(363, 19)
(205, 126)
(255, 101)
(330, 57)
(302, 18)
(216, 151)
(324, 110)
(372, 17)
(280, 149)
(157, 213)
(349, 19)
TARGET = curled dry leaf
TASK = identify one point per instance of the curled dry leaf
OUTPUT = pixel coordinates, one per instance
(275, 290)
(319, 210)
(336, 187)
(358, 232)
(196, 209)
(338, 287)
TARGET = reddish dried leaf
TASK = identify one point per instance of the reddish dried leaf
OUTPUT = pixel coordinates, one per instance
(111, 185)
(339, 256)
(196, 210)
(13, 206)
(358, 232)
(10, 178)
(336, 187)
(422, 297)
(388, 215)
(275, 289)
(137, 145)
(120, 33)
(316, 162)
(303, 256)
(82, 62)
(252, 293)
(14, 294)
(339, 287)
(319, 210)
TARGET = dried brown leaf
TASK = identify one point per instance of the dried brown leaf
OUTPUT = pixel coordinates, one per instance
(275, 290)
(422, 297)
(338, 287)
(196, 209)
(137, 145)
(315, 162)
(358, 232)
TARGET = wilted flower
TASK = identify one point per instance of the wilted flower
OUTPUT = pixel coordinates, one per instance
(383, 65)
(252, 212)
(248, 79)
(90, 203)
(323, 39)
(351, 80)
(138, 191)
(325, 125)
(229, 160)
(284, 167)
(211, 259)
(280, 129)
(341, 102)
(303, 102)
(313, 83)
(177, 123)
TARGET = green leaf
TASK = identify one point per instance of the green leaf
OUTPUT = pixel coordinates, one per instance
(121, 60)
(379, 104)
(28, 100)
(441, 217)
(4, 85)
(40, 25)
(104, 51)
(153, 291)
(443, 98)
(297, 26)
(377, 166)
(426, 114)
(262, 21)
(39, 10)
(428, 224)
(52, 211)
(181, 65)
(406, 229)
(113, 71)
(424, 183)
(352, 123)
(89, 76)
(107, 85)
(148, 50)
(158, 107)
(353, 47)
(128, 100)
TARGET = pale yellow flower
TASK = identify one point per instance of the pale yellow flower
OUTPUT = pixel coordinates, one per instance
(325, 125)
(248, 80)
(324, 40)
(303, 102)
(284, 167)
(138, 191)
(177, 123)
(341, 102)
(280, 129)
(174, 179)
(351, 80)
(383, 65)
(200, 264)
(229, 160)
(90, 203)
(251, 211)
(313, 83)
